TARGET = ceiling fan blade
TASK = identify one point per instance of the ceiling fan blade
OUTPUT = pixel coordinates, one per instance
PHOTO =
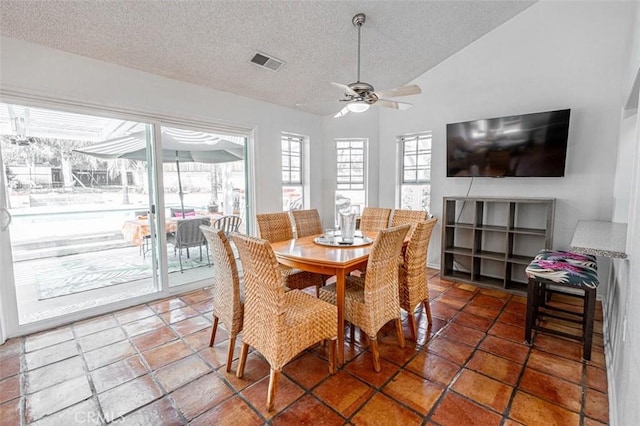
(344, 111)
(393, 104)
(399, 91)
(347, 90)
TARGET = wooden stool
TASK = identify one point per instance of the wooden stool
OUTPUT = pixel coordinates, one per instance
(562, 269)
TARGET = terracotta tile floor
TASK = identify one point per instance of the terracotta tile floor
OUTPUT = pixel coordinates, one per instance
(151, 365)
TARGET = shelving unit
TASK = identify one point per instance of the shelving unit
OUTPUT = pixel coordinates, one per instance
(490, 241)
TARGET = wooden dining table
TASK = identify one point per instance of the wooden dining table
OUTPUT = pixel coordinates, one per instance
(303, 253)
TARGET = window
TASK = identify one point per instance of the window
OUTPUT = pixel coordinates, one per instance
(292, 183)
(350, 174)
(415, 179)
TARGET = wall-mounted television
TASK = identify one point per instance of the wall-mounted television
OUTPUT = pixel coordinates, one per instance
(526, 145)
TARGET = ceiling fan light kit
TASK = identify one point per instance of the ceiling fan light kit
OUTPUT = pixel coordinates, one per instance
(359, 96)
(358, 106)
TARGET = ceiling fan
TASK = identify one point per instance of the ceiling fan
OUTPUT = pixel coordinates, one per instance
(359, 96)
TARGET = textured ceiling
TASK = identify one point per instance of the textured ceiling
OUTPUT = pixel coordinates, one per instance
(211, 42)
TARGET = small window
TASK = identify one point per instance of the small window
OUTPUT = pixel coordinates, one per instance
(292, 181)
(415, 171)
(350, 174)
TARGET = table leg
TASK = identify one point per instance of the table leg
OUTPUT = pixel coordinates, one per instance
(340, 287)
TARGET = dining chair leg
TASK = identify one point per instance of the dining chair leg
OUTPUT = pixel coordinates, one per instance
(332, 355)
(274, 377)
(373, 341)
(232, 345)
(427, 308)
(243, 360)
(213, 330)
(413, 326)
(352, 333)
(399, 331)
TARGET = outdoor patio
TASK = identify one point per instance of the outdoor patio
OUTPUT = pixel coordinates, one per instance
(52, 286)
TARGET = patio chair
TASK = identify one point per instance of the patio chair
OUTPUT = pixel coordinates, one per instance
(413, 273)
(228, 297)
(373, 301)
(307, 222)
(228, 224)
(277, 323)
(275, 227)
(188, 235)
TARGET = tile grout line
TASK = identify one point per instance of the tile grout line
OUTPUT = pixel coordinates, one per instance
(150, 371)
(449, 388)
(85, 365)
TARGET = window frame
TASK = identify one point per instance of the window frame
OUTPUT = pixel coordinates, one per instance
(358, 185)
(403, 167)
(289, 154)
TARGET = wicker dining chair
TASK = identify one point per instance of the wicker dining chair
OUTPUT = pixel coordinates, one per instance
(307, 222)
(374, 219)
(275, 227)
(413, 272)
(402, 217)
(228, 297)
(373, 301)
(277, 323)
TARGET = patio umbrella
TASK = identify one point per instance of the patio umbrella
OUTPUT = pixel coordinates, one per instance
(177, 145)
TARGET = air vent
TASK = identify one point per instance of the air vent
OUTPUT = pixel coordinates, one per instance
(268, 62)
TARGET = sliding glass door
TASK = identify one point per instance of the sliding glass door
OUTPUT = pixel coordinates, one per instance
(204, 180)
(81, 234)
(103, 211)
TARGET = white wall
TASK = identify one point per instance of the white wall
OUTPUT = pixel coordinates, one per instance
(551, 56)
(45, 72)
(623, 297)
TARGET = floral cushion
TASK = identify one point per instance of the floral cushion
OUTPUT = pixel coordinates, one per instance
(567, 256)
(564, 268)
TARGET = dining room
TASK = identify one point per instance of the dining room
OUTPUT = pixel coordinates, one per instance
(460, 358)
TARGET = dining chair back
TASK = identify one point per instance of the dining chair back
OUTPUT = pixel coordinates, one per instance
(228, 224)
(228, 297)
(188, 235)
(373, 301)
(374, 219)
(413, 272)
(401, 217)
(307, 222)
(275, 227)
(279, 324)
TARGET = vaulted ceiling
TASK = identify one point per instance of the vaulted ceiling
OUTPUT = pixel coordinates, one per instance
(210, 43)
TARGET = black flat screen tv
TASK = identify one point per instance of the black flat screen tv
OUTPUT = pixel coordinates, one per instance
(526, 145)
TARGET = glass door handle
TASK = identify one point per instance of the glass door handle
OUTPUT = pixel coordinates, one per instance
(5, 219)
